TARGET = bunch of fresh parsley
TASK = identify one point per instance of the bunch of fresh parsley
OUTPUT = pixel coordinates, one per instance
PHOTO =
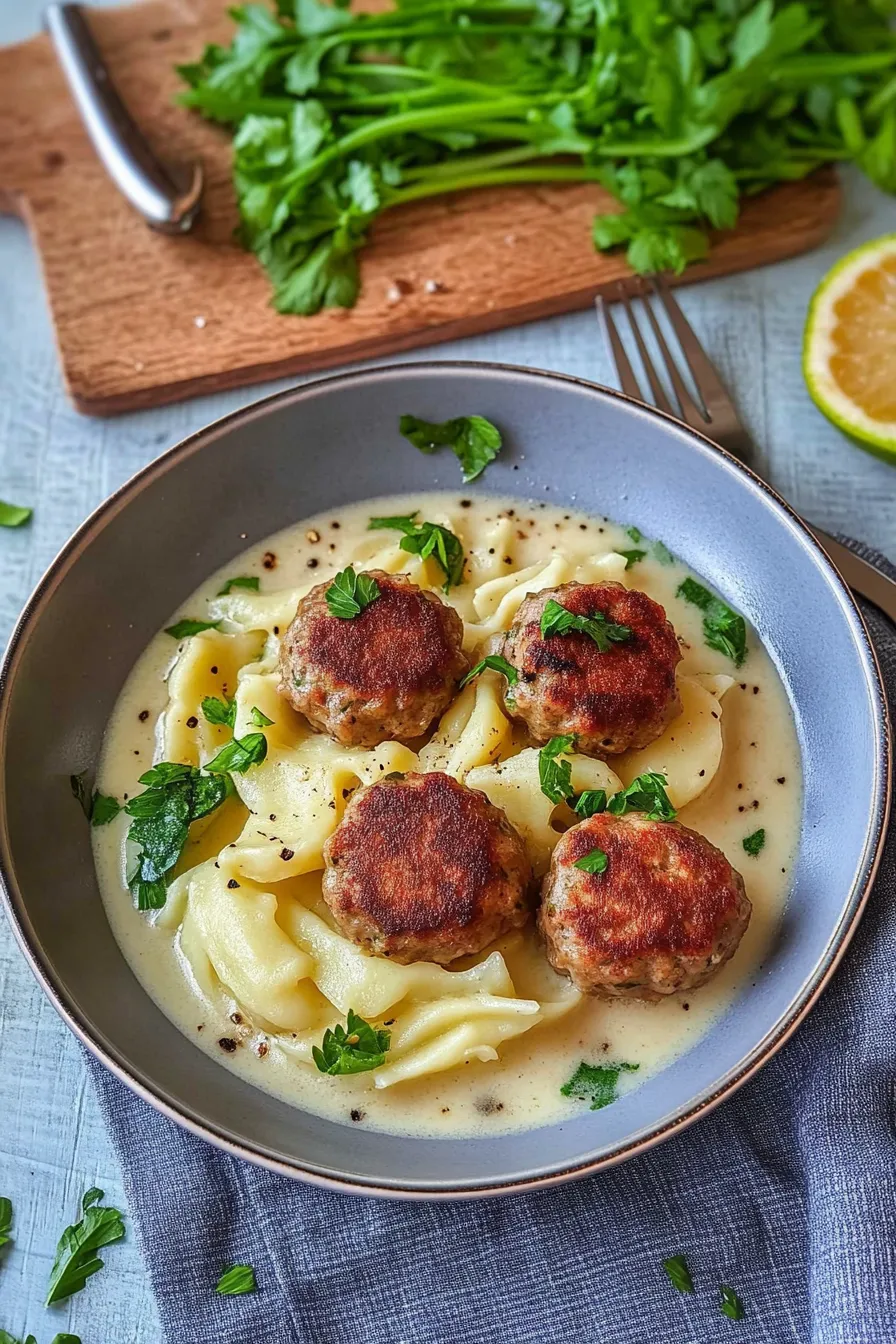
(678, 109)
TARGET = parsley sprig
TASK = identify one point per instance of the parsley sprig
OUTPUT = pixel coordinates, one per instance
(554, 775)
(76, 1255)
(723, 628)
(175, 796)
(556, 620)
(474, 440)
(427, 539)
(349, 594)
(338, 116)
(357, 1047)
(646, 794)
(495, 663)
(597, 1083)
(98, 808)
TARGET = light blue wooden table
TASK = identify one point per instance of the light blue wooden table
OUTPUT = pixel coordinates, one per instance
(52, 1142)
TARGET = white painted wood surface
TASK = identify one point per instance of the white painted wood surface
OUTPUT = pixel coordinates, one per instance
(52, 1143)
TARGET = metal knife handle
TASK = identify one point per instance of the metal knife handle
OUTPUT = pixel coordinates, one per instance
(166, 195)
(863, 578)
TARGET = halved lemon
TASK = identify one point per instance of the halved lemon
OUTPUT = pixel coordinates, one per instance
(849, 349)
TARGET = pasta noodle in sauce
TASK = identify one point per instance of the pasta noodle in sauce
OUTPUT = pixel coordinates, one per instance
(245, 958)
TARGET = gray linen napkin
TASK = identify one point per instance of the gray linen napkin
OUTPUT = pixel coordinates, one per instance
(787, 1192)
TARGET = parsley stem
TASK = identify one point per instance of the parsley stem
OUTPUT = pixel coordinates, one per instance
(473, 164)
(502, 178)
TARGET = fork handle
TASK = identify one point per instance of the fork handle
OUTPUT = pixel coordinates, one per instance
(858, 574)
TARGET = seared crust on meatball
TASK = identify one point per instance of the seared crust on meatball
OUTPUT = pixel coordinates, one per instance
(384, 674)
(421, 868)
(667, 912)
(612, 701)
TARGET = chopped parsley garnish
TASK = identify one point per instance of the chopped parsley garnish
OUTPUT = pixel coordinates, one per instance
(632, 557)
(597, 1083)
(175, 795)
(239, 755)
(350, 593)
(555, 777)
(723, 628)
(754, 843)
(427, 539)
(355, 1048)
(662, 553)
(5, 1220)
(730, 1304)
(13, 515)
(474, 440)
(98, 808)
(183, 629)
(590, 802)
(236, 1280)
(260, 720)
(595, 862)
(676, 1268)
(647, 794)
(556, 620)
(76, 1255)
(635, 534)
(497, 664)
(219, 712)
(248, 581)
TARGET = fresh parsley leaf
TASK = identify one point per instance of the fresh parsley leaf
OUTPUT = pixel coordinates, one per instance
(349, 594)
(104, 809)
(5, 1220)
(676, 1268)
(594, 862)
(597, 1083)
(357, 1047)
(13, 515)
(60, 1339)
(635, 534)
(723, 628)
(220, 712)
(260, 720)
(248, 581)
(662, 553)
(76, 1255)
(239, 755)
(556, 620)
(97, 807)
(183, 629)
(647, 794)
(730, 1304)
(474, 440)
(174, 796)
(236, 1280)
(589, 803)
(755, 842)
(425, 539)
(632, 557)
(497, 664)
(555, 776)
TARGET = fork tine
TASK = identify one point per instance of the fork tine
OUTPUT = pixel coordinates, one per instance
(708, 383)
(624, 371)
(691, 413)
(659, 393)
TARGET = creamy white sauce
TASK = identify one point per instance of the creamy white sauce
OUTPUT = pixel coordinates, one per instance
(757, 785)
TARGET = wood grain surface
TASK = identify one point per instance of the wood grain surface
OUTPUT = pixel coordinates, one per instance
(143, 319)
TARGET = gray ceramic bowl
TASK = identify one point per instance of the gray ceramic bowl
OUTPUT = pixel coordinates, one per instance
(328, 444)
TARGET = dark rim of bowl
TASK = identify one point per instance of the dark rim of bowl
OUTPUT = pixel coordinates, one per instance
(107, 1052)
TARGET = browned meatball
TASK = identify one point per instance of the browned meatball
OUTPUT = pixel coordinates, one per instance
(384, 674)
(422, 868)
(611, 701)
(666, 913)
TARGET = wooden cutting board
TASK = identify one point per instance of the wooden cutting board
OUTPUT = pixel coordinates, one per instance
(143, 319)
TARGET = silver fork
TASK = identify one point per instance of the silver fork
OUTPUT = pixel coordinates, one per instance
(716, 418)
